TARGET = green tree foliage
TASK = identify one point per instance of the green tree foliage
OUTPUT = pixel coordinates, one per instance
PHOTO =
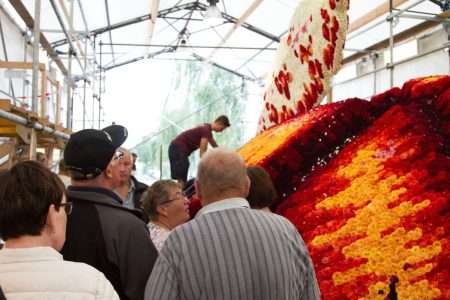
(199, 94)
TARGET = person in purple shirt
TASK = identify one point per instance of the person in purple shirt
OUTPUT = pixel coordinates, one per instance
(190, 140)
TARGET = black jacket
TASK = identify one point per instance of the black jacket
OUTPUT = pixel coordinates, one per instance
(111, 238)
(139, 189)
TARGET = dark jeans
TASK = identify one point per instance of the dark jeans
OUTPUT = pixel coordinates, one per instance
(179, 163)
(2, 295)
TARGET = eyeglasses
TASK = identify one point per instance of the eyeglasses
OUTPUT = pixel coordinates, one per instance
(68, 206)
(178, 196)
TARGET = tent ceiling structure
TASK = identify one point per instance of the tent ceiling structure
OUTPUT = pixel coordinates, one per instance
(123, 29)
(116, 35)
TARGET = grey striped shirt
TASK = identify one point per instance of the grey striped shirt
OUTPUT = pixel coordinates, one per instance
(236, 253)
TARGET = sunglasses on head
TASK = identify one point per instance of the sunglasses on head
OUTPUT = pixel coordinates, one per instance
(118, 155)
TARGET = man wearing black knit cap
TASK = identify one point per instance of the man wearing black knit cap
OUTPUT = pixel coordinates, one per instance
(100, 231)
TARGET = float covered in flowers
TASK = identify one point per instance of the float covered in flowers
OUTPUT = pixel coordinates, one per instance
(367, 184)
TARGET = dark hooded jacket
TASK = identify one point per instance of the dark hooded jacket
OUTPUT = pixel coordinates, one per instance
(111, 238)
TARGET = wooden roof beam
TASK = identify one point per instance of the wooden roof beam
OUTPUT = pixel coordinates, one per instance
(28, 19)
(377, 12)
(153, 18)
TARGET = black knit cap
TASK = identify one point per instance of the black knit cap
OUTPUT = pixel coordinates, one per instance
(89, 151)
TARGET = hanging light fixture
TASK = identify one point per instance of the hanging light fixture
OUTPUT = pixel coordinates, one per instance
(182, 44)
(212, 12)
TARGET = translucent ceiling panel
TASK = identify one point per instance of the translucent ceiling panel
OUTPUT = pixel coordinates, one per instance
(165, 4)
(260, 64)
(381, 32)
(209, 38)
(273, 16)
(359, 8)
(243, 37)
(120, 10)
(95, 13)
(48, 17)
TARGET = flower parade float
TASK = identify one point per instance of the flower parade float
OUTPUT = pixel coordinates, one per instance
(367, 184)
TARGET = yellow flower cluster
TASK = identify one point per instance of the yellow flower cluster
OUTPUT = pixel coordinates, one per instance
(386, 255)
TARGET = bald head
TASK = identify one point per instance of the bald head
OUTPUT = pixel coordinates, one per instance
(221, 174)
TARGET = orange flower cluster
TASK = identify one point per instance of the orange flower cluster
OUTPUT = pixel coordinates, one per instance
(307, 140)
(375, 216)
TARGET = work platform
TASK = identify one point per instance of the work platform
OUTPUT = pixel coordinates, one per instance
(23, 131)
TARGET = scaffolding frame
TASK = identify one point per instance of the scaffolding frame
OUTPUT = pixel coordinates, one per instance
(431, 20)
(32, 128)
(74, 52)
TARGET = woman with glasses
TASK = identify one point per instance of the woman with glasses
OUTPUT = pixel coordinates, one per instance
(167, 207)
(33, 217)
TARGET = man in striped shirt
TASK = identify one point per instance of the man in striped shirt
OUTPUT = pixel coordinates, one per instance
(230, 251)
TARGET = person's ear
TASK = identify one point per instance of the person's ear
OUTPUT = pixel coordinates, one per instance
(50, 221)
(247, 186)
(162, 210)
(197, 189)
(109, 172)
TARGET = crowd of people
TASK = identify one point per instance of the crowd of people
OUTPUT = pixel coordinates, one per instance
(105, 235)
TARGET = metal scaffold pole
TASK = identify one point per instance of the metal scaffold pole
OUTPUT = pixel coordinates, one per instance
(94, 80)
(84, 85)
(35, 80)
(100, 87)
(391, 44)
(69, 76)
(36, 126)
(36, 42)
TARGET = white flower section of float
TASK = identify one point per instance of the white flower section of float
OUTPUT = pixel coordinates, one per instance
(307, 58)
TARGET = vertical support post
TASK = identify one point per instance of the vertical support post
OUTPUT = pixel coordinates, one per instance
(100, 88)
(36, 42)
(49, 153)
(58, 104)
(69, 91)
(374, 57)
(160, 161)
(93, 110)
(69, 74)
(33, 145)
(391, 44)
(35, 79)
(94, 78)
(43, 92)
(84, 86)
(24, 82)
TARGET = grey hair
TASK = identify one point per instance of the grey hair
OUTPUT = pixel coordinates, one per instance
(220, 171)
(124, 150)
